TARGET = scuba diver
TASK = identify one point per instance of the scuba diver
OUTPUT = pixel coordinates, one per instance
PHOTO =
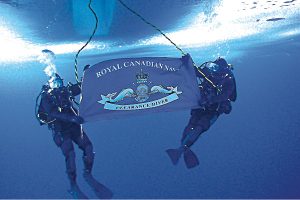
(57, 111)
(214, 102)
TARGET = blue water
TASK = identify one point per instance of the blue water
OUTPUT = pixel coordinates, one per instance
(251, 153)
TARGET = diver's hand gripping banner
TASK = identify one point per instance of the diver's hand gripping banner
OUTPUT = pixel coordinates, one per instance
(131, 86)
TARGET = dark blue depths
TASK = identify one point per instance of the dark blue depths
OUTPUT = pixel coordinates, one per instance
(251, 153)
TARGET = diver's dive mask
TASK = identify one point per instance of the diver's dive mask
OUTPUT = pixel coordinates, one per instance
(213, 67)
(218, 68)
(56, 82)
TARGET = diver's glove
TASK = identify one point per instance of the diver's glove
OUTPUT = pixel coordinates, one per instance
(77, 119)
(75, 89)
(86, 67)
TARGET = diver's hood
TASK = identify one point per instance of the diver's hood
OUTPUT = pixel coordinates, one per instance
(221, 62)
(217, 68)
(56, 81)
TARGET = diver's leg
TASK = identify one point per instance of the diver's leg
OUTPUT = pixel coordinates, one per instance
(186, 141)
(198, 123)
(196, 126)
(84, 143)
(68, 151)
(201, 123)
(64, 141)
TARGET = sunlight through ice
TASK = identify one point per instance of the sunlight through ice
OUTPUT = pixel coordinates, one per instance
(231, 20)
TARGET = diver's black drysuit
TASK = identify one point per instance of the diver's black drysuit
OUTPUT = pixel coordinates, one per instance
(214, 102)
(56, 109)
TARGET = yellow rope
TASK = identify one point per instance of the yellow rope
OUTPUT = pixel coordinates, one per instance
(90, 38)
(156, 28)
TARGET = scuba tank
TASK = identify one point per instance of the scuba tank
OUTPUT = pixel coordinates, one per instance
(40, 112)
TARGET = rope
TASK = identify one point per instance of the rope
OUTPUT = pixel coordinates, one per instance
(156, 28)
(95, 29)
(204, 76)
(76, 68)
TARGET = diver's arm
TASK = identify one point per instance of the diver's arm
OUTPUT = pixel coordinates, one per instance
(53, 112)
(226, 91)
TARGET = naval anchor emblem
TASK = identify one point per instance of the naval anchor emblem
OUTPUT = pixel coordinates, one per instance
(141, 95)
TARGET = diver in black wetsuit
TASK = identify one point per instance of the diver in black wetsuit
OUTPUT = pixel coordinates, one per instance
(215, 101)
(57, 111)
